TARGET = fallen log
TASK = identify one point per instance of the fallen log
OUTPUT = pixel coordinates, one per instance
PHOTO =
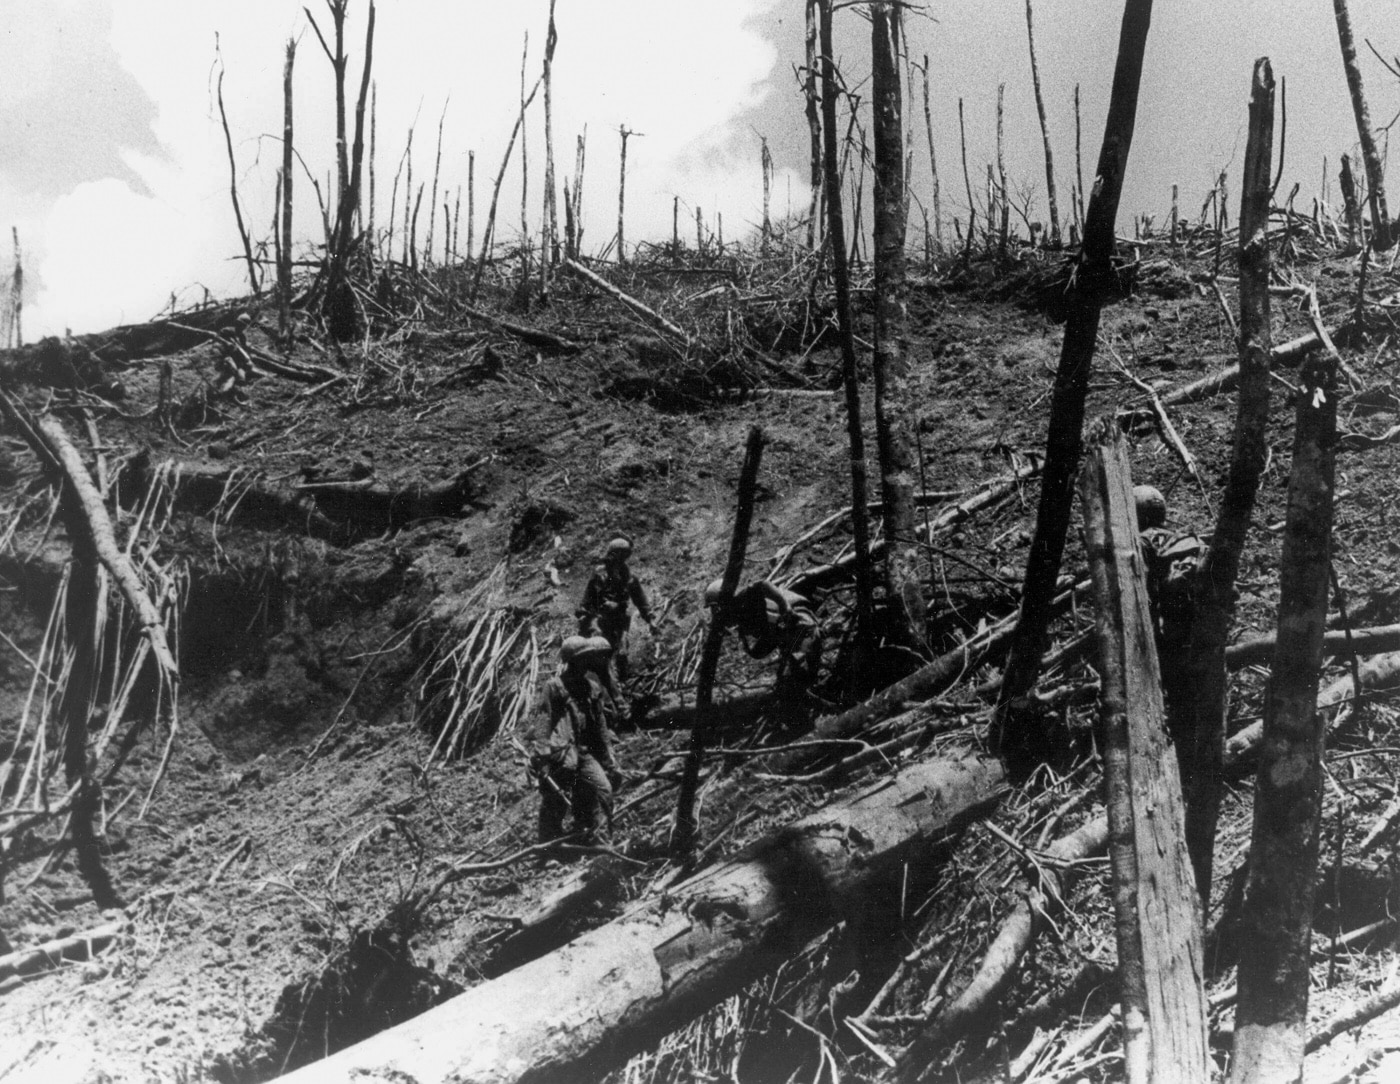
(615, 991)
(50, 954)
(529, 335)
(650, 315)
(1373, 641)
(1285, 355)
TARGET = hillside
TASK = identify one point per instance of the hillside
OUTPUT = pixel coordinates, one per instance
(372, 551)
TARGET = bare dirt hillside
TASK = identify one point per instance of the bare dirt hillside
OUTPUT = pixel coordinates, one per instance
(373, 550)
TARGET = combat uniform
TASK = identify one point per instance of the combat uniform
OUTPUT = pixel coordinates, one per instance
(769, 618)
(572, 756)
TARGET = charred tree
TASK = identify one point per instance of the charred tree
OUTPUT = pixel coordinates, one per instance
(1197, 698)
(1158, 918)
(1375, 175)
(933, 167)
(284, 265)
(895, 425)
(836, 230)
(811, 95)
(686, 828)
(1014, 732)
(1271, 1018)
(254, 281)
(1044, 133)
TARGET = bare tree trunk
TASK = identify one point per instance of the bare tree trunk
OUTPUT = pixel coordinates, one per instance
(1375, 175)
(524, 173)
(623, 131)
(580, 159)
(432, 198)
(373, 126)
(1276, 922)
(550, 254)
(471, 200)
(814, 126)
(1003, 195)
(233, 190)
(836, 230)
(489, 228)
(1197, 706)
(933, 167)
(284, 267)
(576, 1013)
(1078, 159)
(1012, 729)
(1044, 134)
(686, 829)
(342, 318)
(765, 162)
(895, 423)
(1158, 917)
(1356, 232)
(967, 183)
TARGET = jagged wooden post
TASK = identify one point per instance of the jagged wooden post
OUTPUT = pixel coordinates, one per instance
(765, 161)
(895, 423)
(1365, 135)
(836, 230)
(1044, 134)
(1196, 701)
(686, 828)
(1158, 916)
(1013, 732)
(1356, 232)
(1276, 922)
(1003, 195)
(933, 167)
(284, 266)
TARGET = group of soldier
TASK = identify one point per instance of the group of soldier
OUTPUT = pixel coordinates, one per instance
(570, 738)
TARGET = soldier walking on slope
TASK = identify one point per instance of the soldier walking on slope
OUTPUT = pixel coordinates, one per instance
(571, 754)
(767, 619)
(607, 600)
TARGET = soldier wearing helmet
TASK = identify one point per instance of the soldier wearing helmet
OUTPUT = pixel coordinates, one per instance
(607, 600)
(570, 746)
(1171, 559)
(769, 618)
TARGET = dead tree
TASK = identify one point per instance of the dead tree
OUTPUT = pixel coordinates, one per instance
(1375, 175)
(1350, 205)
(1196, 691)
(814, 125)
(836, 231)
(686, 826)
(338, 60)
(550, 254)
(623, 133)
(1012, 730)
(254, 282)
(284, 266)
(933, 167)
(1276, 921)
(895, 424)
(1158, 917)
(1044, 133)
(585, 1008)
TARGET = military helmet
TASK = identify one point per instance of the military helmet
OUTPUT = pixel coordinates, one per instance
(573, 647)
(1151, 507)
(619, 547)
(713, 591)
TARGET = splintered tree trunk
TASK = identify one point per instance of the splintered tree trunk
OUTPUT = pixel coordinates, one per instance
(836, 228)
(895, 425)
(1157, 914)
(587, 1007)
(814, 125)
(1198, 699)
(550, 256)
(1375, 175)
(687, 827)
(284, 267)
(1044, 134)
(1276, 923)
(623, 133)
(1012, 730)
(933, 167)
(1350, 206)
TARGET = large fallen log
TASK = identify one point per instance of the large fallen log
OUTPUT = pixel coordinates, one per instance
(51, 954)
(1285, 355)
(617, 990)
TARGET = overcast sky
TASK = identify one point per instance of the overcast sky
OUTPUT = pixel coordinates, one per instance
(115, 173)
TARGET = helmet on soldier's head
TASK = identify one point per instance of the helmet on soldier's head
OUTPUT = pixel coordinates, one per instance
(573, 647)
(1151, 507)
(619, 549)
(713, 591)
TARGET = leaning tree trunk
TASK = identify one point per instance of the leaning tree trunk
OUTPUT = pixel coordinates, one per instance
(1196, 693)
(896, 428)
(1272, 1015)
(587, 1007)
(1012, 732)
(284, 266)
(1158, 918)
(1375, 176)
(836, 230)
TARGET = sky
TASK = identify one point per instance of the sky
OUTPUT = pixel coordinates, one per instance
(116, 176)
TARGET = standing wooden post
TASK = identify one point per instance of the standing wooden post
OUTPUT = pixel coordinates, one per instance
(1158, 917)
(1375, 175)
(623, 131)
(471, 200)
(686, 829)
(1197, 699)
(933, 166)
(1011, 729)
(895, 424)
(1276, 923)
(836, 230)
(765, 161)
(284, 267)
(1044, 134)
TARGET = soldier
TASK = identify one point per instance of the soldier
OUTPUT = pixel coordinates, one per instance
(1171, 558)
(570, 748)
(769, 618)
(607, 600)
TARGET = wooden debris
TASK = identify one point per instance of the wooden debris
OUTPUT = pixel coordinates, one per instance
(50, 954)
